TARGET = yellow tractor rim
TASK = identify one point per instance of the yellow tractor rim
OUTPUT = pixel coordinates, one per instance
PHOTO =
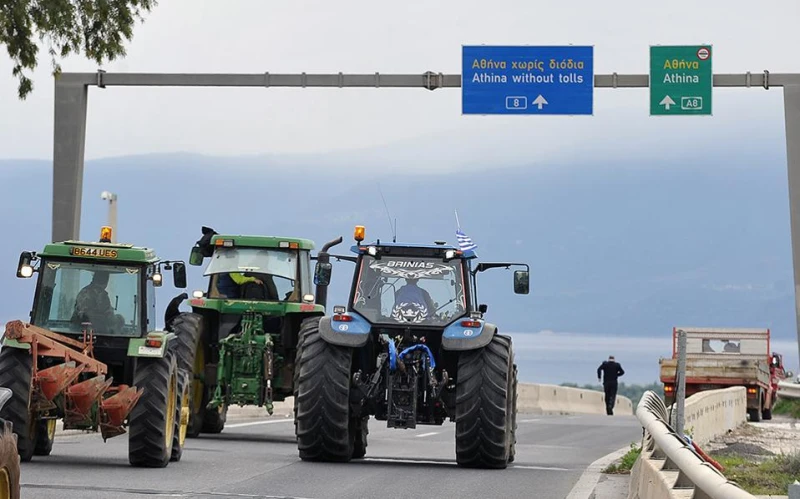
(197, 384)
(170, 415)
(5, 484)
(51, 429)
(185, 411)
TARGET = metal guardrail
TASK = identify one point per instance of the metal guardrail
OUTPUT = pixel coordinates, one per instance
(788, 390)
(661, 442)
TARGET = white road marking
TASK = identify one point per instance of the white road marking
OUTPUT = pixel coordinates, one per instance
(542, 468)
(528, 420)
(588, 481)
(254, 423)
(427, 434)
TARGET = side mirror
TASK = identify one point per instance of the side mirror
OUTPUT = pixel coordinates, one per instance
(322, 273)
(196, 256)
(521, 282)
(179, 275)
(24, 268)
(482, 308)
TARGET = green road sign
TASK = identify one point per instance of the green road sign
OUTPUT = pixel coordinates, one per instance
(681, 81)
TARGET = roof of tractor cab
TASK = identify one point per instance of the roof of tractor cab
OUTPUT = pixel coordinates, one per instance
(421, 248)
(107, 252)
(263, 241)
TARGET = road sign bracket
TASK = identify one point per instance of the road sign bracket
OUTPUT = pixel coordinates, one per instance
(100, 82)
(766, 79)
(429, 80)
(614, 79)
(266, 79)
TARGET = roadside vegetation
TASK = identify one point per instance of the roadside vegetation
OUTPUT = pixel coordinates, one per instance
(770, 477)
(625, 464)
(789, 408)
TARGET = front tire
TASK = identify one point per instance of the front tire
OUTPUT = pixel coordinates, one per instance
(45, 436)
(152, 420)
(182, 414)
(323, 425)
(16, 374)
(9, 462)
(483, 403)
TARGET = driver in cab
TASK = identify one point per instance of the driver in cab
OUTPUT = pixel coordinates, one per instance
(94, 305)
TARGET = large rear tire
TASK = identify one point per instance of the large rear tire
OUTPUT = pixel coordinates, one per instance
(152, 420)
(188, 327)
(483, 401)
(182, 414)
(9, 462)
(512, 445)
(16, 374)
(214, 419)
(323, 426)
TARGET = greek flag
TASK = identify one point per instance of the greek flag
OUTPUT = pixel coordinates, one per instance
(464, 241)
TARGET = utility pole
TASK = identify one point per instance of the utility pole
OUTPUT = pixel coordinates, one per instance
(112, 212)
(680, 378)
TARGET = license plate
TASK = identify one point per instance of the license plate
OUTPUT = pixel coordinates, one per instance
(143, 350)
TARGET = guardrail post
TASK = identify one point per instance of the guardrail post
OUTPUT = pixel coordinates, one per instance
(680, 396)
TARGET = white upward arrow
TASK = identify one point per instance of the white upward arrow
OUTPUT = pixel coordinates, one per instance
(540, 101)
(666, 102)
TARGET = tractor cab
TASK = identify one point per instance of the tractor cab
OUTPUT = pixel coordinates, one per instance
(109, 288)
(416, 284)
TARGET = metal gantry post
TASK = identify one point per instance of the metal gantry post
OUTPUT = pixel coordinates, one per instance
(791, 105)
(680, 378)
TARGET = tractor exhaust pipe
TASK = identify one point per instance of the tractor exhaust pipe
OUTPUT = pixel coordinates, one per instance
(324, 257)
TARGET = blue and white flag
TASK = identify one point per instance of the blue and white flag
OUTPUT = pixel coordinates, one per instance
(464, 241)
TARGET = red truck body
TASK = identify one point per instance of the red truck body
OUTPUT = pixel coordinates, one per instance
(725, 357)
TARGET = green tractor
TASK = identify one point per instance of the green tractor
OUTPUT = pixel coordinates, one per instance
(91, 354)
(246, 322)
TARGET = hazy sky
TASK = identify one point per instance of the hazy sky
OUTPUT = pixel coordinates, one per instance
(403, 37)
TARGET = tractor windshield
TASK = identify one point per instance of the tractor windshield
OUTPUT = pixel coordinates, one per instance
(417, 290)
(254, 274)
(107, 296)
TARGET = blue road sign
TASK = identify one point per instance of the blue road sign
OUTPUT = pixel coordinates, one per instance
(527, 80)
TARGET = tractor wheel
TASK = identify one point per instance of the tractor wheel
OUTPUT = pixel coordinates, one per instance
(182, 413)
(16, 374)
(9, 462)
(512, 444)
(45, 436)
(766, 414)
(188, 327)
(754, 414)
(305, 326)
(323, 426)
(359, 427)
(152, 420)
(214, 419)
(483, 400)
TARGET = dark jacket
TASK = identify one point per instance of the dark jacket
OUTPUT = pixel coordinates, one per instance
(611, 371)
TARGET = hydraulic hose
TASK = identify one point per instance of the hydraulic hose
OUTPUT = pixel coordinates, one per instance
(420, 346)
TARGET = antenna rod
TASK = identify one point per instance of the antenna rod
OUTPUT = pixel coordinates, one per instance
(389, 216)
(458, 224)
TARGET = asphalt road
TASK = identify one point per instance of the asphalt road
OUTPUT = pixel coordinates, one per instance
(258, 459)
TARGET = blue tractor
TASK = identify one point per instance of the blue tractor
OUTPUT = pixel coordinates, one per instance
(411, 348)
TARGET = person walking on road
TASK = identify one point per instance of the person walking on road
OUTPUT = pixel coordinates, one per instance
(611, 370)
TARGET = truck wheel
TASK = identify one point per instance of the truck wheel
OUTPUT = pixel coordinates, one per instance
(182, 413)
(16, 374)
(766, 414)
(152, 420)
(483, 399)
(45, 436)
(323, 399)
(754, 415)
(188, 327)
(9, 462)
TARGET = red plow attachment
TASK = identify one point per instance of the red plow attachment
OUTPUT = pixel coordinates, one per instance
(81, 393)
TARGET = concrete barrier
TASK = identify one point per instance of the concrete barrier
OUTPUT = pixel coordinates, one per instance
(714, 412)
(554, 399)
